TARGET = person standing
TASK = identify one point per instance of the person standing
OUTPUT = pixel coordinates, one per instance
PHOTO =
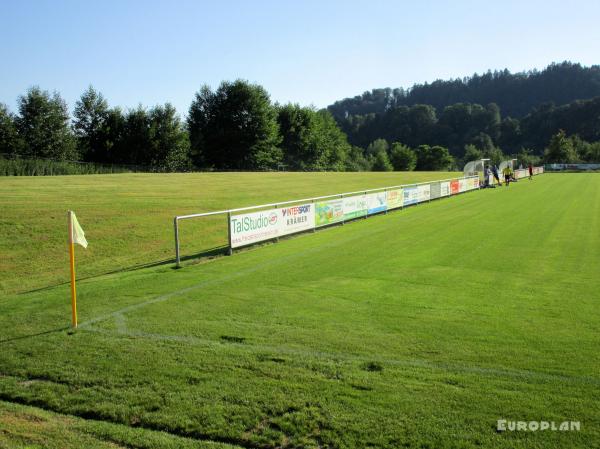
(495, 173)
(530, 171)
(486, 176)
(507, 172)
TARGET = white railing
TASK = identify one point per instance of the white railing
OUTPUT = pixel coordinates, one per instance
(452, 186)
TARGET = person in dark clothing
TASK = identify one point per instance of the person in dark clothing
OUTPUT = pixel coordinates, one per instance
(530, 171)
(495, 173)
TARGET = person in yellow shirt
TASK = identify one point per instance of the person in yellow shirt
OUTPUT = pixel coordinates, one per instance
(507, 172)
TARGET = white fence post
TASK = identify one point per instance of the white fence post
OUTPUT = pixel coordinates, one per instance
(230, 249)
(176, 228)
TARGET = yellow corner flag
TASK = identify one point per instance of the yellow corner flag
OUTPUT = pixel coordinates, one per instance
(76, 235)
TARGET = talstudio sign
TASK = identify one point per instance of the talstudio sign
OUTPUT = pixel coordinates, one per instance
(259, 226)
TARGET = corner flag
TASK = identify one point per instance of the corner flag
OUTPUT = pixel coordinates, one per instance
(76, 235)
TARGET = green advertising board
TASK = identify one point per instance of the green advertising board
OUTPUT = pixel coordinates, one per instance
(328, 212)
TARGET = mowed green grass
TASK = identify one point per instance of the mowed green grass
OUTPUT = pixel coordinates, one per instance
(419, 328)
(128, 218)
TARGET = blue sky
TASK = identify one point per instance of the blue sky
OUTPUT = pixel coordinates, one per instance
(307, 52)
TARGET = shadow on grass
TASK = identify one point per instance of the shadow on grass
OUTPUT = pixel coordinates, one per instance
(206, 254)
(38, 334)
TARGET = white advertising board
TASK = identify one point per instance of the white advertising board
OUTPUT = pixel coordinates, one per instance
(297, 218)
(445, 188)
(254, 227)
(395, 198)
(355, 206)
(376, 202)
(269, 224)
(424, 192)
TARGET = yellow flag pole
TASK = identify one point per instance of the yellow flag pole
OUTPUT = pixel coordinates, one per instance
(72, 256)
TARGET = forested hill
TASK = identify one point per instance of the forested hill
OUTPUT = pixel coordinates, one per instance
(515, 93)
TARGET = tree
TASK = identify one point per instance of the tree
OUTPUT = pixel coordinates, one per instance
(169, 143)
(510, 134)
(91, 112)
(311, 140)
(112, 134)
(593, 154)
(526, 157)
(43, 124)
(235, 127)
(381, 162)
(334, 139)
(560, 149)
(433, 158)
(402, 157)
(585, 151)
(377, 146)
(136, 137)
(483, 142)
(495, 155)
(356, 160)
(472, 153)
(299, 144)
(10, 142)
(422, 120)
(199, 120)
(154, 138)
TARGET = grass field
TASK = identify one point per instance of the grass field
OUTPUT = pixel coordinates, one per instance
(420, 328)
(128, 218)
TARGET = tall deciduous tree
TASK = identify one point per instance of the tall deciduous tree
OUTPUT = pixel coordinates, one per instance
(433, 158)
(560, 149)
(593, 153)
(526, 157)
(333, 139)
(10, 142)
(483, 142)
(377, 146)
(153, 138)
(91, 112)
(169, 142)
(356, 160)
(136, 136)
(235, 127)
(112, 134)
(495, 155)
(381, 162)
(311, 140)
(198, 121)
(302, 143)
(43, 124)
(472, 153)
(402, 157)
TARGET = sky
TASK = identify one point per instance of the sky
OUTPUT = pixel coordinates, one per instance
(304, 51)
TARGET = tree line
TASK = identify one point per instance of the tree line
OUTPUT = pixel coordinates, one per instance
(516, 94)
(464, 127)
(43, 129)
(235, 127)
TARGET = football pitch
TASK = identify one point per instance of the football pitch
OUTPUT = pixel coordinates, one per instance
(419, 328)
(129, 217)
